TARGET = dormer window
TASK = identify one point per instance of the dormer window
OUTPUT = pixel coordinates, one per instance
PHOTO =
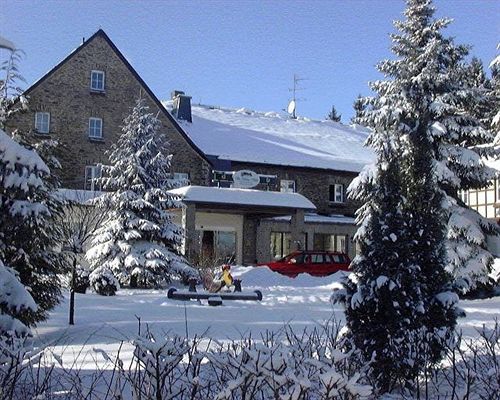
(42, 122)
(97, 81)
(95, 128)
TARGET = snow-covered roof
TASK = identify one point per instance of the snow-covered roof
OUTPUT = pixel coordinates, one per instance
(77, 195)
(495, 164)
(246, 197)
(322, 219)
(273, 138)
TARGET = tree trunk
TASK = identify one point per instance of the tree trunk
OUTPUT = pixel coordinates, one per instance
(72, 294)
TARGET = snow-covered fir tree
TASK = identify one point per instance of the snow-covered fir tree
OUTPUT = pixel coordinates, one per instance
(456, 93)
(27, 237)
(14, 299)
(11, 99)
(400, 309)
(493, 113)
(139, 241)
(358, 107)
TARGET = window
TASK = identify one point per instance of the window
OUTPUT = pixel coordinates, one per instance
(337, 258)
(42, 122)
(327, 242)
(92, 175)
(317, 259)
(181, 176)
(337, 193)
(324, 242)
(341, 243)
(97, 81)
(95, 128)
(280, 244)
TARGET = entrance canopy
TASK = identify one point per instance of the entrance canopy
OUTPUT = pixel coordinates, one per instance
(214, 197)
(235, 210)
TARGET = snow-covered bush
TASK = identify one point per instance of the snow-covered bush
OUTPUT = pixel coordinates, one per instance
(103, 281)
(285, 365)
(289, 365)
(82, 279)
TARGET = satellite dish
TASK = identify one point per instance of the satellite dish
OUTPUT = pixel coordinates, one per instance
(291, 107)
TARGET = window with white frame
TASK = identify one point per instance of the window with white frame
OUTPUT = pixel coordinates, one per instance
(337, 193)
(97, 81)
(92, 175)
(42, 122)
(287, 186)
(95, 128)
(181, 177)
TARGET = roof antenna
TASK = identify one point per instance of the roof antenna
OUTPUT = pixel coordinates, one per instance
(292, 105)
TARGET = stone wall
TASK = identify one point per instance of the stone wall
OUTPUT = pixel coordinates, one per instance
(311, 183)
(67, 96)
(250, 226)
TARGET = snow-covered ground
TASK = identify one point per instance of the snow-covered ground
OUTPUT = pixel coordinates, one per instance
(106, 322)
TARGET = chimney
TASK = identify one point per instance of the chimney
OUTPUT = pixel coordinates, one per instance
(182, 106)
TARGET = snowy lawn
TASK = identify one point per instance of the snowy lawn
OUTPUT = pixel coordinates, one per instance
(105, 322)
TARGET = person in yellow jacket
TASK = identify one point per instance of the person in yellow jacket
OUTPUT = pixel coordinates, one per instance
(226, 278)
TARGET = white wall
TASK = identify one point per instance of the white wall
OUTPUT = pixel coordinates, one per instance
(206, 221)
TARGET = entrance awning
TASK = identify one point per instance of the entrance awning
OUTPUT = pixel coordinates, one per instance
(242, 198)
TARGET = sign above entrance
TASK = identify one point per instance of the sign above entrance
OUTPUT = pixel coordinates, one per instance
(227, 179)
(245, 179)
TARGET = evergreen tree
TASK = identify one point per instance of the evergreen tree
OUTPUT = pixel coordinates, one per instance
(400, 309)
(139, 241)
(457, 97)
(359, 108)
(11, 99)
(463, 151)
(493, 112)
(14, 298)
(333, 115)
(28, 236)
(27, 239)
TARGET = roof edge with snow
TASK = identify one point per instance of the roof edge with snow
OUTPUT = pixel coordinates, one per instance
(243, 197)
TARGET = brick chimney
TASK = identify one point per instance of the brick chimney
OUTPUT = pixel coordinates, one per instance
(182, 106)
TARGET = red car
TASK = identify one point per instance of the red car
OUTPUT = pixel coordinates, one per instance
(316, 263)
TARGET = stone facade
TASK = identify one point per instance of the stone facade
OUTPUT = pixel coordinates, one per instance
(65, 93)
(309, 182)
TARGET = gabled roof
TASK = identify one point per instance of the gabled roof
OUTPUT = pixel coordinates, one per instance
(102, 34)
(274, 138)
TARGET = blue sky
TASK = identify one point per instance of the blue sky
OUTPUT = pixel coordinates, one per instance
(240, 53)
